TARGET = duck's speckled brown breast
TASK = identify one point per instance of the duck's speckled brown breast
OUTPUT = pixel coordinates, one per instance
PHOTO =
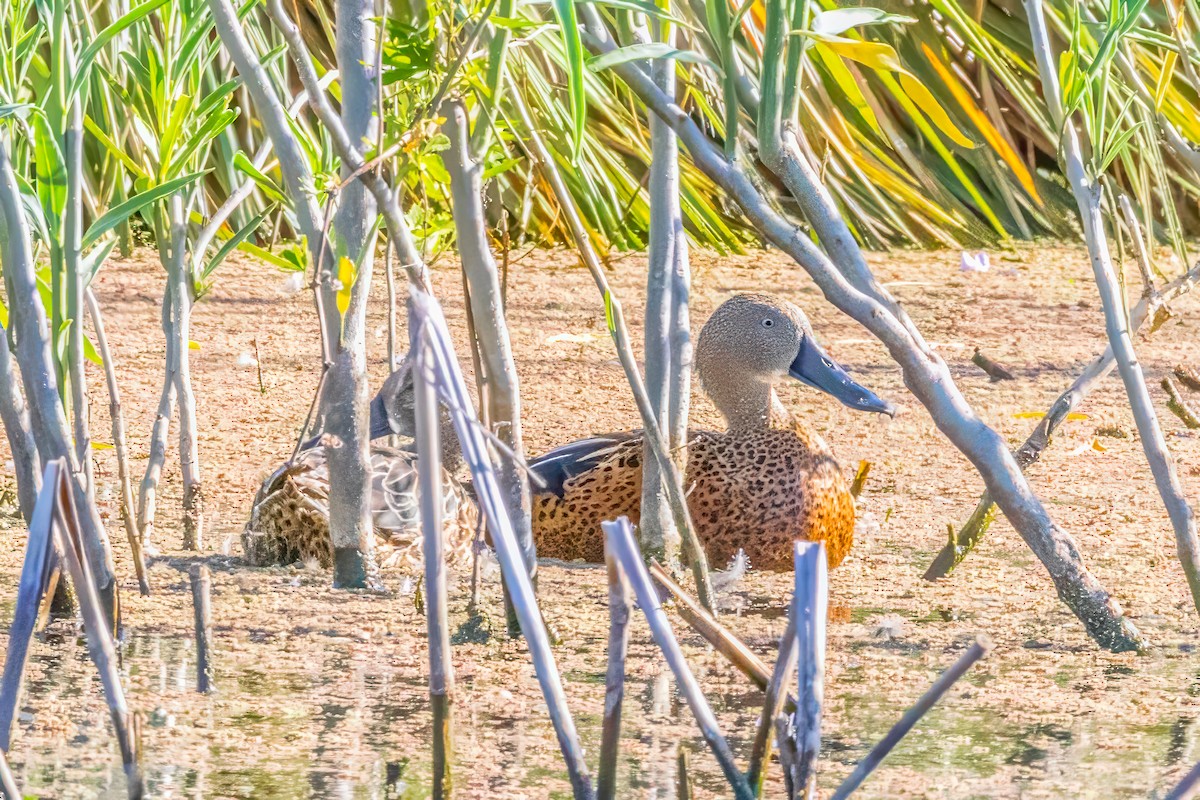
(756, 490)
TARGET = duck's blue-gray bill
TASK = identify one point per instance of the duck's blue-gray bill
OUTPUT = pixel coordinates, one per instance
(815, 368)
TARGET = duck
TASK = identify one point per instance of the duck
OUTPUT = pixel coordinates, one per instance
(765, 481)
(289, 519)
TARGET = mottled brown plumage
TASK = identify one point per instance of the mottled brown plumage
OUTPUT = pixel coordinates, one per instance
(765, 482)
(289, 520)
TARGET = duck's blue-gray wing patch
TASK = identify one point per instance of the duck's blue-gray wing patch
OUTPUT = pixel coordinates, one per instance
(561, 464)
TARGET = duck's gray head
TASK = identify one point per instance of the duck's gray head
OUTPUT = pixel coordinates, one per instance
(756, 339)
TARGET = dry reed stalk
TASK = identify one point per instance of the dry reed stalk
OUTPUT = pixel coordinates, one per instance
(474, 441)
(1112, 297)
(713, 631)
(70, 547)
(122, 450)
(656, 437)
(429, 466)
(810, 610)
(620, 604)
(1186, 788)
(8, 783)
(785, 735)
(491, 344)
(32, 595)
(202, 611)
(619, 534)
(1027, 454)
(785, 663)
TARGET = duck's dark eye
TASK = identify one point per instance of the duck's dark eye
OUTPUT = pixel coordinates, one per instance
(768, 323)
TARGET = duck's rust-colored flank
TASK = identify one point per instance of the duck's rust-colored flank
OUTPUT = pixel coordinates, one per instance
(754, 490)
(765, 482)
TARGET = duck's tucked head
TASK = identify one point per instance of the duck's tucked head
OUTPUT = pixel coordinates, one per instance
(393, 410)
(753, 340)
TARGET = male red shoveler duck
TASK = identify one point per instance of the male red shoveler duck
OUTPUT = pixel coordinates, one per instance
(758, 486)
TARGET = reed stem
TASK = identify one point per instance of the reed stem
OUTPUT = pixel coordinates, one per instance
(202, 611)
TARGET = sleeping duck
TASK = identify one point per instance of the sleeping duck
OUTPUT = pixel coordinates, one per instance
(289, 520)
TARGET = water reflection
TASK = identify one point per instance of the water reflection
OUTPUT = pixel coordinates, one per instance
(330, 717)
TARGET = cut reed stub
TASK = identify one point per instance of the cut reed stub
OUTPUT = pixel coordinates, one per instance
(1188, 376)
(810, 612)
(619, 536)
(860, 478)
(995, 370)
(1179, 406)
(201, 582)
(620, 606)
(683, 777)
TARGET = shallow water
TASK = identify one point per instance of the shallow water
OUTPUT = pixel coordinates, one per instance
(334, 720)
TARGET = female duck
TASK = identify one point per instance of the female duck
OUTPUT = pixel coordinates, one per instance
(290, 518)
(763, 483)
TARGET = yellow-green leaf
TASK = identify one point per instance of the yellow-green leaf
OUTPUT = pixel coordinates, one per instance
(347, 272)
(875, 55)
(879, 56)
(91, 353)
(925, 100)
(1164, 79)
(849, 87)
(1073, 416)
(609, 314)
